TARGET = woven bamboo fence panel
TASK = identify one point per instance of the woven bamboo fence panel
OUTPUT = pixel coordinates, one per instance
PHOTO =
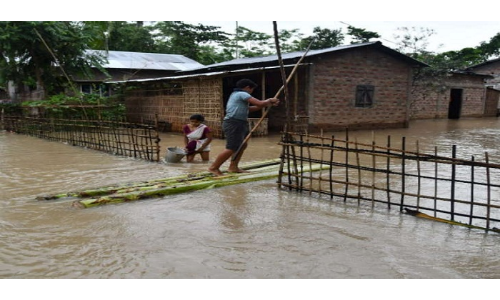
(204, 96)
(463, 191)
(176, 105)
(120, 138)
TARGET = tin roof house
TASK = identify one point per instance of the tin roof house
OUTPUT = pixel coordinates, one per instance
(124, 65)
(353, 86)
(492, 68)
(119, 65)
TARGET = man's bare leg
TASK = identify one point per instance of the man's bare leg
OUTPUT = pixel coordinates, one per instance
(219, 160)
(234, 165)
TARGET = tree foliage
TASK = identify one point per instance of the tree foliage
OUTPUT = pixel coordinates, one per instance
(31, 53)
(323, 38)
(361, 35)
(193, 41)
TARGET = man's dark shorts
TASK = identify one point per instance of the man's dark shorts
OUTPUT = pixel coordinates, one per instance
(235, 132)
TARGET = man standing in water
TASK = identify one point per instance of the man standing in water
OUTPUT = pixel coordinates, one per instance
(235, 124)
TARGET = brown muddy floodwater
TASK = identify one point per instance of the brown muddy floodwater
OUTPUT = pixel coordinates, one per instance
(251, 230)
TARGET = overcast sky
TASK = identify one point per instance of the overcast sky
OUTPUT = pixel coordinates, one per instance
(449, 35)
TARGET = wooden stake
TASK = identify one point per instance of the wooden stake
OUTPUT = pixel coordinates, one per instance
(276, 96)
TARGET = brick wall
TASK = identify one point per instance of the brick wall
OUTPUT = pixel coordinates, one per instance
(333, 84)
(493, 69)
(491, 106)
(427, 103)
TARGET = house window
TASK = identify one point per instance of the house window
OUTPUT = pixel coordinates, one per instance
(364, 95)
(98, 89)
(86, 88)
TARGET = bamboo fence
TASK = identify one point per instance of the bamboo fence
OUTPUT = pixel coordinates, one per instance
(445, 188)
(120, 138)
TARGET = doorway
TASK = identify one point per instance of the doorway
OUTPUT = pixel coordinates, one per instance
(455, 106)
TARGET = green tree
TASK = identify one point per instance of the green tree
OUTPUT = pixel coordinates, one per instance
(38, 54)
(457, 60)
(491, 48)
(121, 36)
(251, 43)
(361, 35)
(290, 40)
(414, 41)
(130, 36)
(176, 37)
(323, 38)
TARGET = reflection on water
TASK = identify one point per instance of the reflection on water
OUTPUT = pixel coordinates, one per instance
(252, 230)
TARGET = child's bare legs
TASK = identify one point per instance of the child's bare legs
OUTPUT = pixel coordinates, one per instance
(189, 158)
(205, 155)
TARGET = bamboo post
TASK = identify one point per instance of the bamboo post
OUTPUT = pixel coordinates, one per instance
(283, 74)
(471, 190)
(453, 175)
(388, 167)
(296, 100)
(321, 162)
(359, 169)
(331, 165)
(374, 168)
(157, 141)
(294, 163)
(284, 157)
(310, 164)
(276, 96)
(403, 170)
(346, 164)
(435, 181)
(488, 185)
(419, 179)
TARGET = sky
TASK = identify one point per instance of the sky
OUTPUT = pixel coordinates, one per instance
(448, 35)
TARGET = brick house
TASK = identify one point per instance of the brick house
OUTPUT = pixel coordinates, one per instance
(492, 68)
(354, 86)
(460, 94)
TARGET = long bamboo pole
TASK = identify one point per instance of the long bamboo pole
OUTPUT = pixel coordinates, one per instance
(283, 73)
(235, 155)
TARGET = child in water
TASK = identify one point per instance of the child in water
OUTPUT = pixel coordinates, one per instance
(197, 138)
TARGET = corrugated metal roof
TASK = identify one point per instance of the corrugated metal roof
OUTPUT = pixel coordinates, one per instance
(147, 61)
(200, 74)
(471, 73)
(310, 53)
(269, 62)
(484, 63)
(284, 56)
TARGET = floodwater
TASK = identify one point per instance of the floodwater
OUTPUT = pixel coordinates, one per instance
(251, 230)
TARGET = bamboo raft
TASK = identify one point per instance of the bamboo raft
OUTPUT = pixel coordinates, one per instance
(173, 185)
